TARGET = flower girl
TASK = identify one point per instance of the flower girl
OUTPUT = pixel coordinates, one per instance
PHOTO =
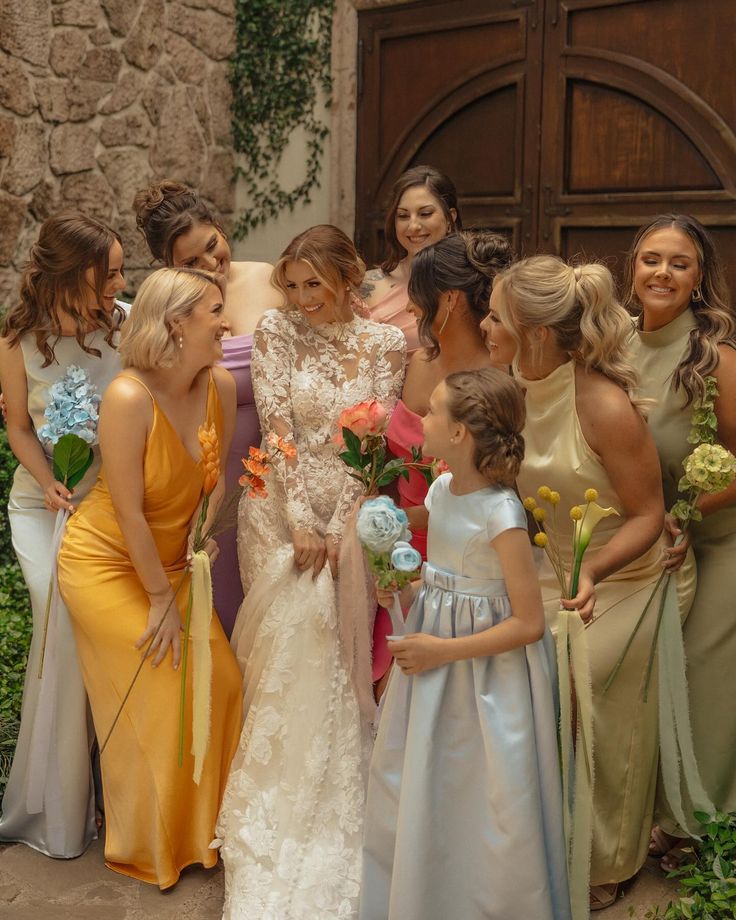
(464, 814)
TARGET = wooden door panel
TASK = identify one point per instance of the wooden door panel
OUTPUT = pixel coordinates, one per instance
(456, 85)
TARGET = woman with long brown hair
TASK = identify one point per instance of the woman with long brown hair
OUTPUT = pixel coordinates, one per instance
(422, 210)
(66, 314)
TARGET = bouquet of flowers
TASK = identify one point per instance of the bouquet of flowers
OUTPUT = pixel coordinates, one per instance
(70, 430)
(362, 439)
(199, 602)
(383, 530)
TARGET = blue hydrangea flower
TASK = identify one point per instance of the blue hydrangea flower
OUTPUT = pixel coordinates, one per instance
(72, 407)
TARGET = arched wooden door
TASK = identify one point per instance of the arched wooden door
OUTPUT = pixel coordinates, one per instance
(564, 123)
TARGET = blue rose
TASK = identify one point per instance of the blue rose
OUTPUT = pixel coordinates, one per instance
(405, 558)
(381, 524)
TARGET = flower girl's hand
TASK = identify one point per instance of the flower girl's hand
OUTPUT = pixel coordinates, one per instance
(57, 497)
(168, 634)
(675, 555)
(584, 600)
(419, 652)
(385, 596)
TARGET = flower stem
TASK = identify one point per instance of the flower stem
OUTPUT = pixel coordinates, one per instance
(650, 663)
(143, 661)
(184, 661)
(45, 627)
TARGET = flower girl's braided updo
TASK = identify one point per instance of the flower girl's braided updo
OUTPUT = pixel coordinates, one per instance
(491, 406)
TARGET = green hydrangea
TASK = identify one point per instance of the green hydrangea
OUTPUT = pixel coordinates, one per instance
(709, 468)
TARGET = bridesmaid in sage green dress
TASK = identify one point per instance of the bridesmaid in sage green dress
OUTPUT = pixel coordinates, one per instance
(687, 331)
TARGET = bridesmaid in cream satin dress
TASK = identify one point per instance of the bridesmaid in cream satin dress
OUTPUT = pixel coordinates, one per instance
(49, 800)
(182, 231)
(423, 209)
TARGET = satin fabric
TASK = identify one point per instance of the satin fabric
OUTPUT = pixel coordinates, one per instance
(404, 432)
(625, 728)
(464, 813)
(66, 824)
(226, 586)
(710, 630)
(392, 309)
(157, 821)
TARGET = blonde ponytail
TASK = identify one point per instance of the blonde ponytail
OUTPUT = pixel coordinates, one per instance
(579, 305)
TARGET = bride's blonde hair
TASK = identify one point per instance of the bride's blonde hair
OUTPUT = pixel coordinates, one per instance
(578, 304)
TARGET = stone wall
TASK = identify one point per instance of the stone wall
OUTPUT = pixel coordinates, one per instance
(99, 96)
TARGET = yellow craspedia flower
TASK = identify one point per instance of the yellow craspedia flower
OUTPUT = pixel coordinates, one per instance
(591, 495)
(544, 493)
(530, 504)
(541, 539)
(554, 498)
(538, 514)
(576, 513)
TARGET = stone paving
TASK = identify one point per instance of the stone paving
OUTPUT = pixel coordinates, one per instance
(33, 887)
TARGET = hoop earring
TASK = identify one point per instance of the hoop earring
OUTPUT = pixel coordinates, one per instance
(442, 327)
(697, 294)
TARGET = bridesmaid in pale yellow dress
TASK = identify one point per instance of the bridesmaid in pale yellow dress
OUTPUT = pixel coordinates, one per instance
(687, 331)
(565, 334)
(422, 210)
(125, 549)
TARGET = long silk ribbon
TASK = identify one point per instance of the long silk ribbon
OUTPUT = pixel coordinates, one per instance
(202, 659)
(573, 667)
(39, 768)
(677, 755)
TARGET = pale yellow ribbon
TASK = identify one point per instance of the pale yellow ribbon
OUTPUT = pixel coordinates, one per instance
(573, 668)
(202, 659)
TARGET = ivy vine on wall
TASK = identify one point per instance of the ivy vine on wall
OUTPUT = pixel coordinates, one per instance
(280, 65)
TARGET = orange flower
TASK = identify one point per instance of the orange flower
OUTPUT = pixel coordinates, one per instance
(368, 418)
(255, 467)
(255, 453)
(210, 445)
(283, 447)
(255, 485)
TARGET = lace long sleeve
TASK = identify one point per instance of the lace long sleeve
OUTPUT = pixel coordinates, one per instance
(272, 365)
(387, 371)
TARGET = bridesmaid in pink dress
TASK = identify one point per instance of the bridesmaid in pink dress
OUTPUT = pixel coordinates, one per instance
(182, 231)
(449, 290)
(422, 210)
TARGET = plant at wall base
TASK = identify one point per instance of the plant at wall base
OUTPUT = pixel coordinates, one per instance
(280, 64)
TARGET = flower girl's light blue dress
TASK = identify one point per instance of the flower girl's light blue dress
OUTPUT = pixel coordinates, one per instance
(464, 815)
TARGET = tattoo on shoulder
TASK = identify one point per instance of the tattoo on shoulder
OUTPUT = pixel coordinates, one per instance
(370, 279)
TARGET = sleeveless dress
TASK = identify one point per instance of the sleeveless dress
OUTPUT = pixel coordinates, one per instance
(66, 824)
(625, 728)
(226, 586)
(157, 820)
(404, 432)
(291, 820)
(392, 309)
(709, 634)
(464, 814)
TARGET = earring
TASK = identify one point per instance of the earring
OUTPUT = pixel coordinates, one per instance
(442, 327)
(181, 340)
(697, 294)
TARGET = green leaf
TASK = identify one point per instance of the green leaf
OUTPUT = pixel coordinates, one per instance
(351, 460)
(72, 457)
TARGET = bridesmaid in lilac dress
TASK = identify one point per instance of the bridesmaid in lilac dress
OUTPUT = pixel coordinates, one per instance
(182, 231)
(422, 210)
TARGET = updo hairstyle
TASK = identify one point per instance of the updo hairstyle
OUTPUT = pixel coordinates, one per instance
(491, 406)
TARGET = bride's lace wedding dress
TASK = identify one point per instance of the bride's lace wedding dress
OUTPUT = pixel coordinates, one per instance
(290, 825)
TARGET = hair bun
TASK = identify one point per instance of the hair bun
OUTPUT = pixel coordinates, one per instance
(148, 200)
(488, 252)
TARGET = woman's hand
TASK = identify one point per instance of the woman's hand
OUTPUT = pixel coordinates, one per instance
(332, 548)
(385, 596)
(211, 547)
(56, 497)
(584, 600)
(675, 555)
(309, 551)
(419, 652)
(163, 606)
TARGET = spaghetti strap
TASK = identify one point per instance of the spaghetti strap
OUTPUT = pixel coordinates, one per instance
(131, 377)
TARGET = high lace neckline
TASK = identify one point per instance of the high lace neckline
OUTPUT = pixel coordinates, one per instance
(553, 387)
(675, 330)
(334, 332)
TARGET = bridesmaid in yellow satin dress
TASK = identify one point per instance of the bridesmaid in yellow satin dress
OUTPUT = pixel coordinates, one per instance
(125, 549)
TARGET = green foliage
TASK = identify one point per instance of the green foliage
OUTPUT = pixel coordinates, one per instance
(707, 885)
(72, 458)
(281, 61)
(15, 621)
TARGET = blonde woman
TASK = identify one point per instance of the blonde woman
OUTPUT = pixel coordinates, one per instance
(124, 550)
(292, 815)
(565, 335)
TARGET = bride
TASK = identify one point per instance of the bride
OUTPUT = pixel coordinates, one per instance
(290, 826)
